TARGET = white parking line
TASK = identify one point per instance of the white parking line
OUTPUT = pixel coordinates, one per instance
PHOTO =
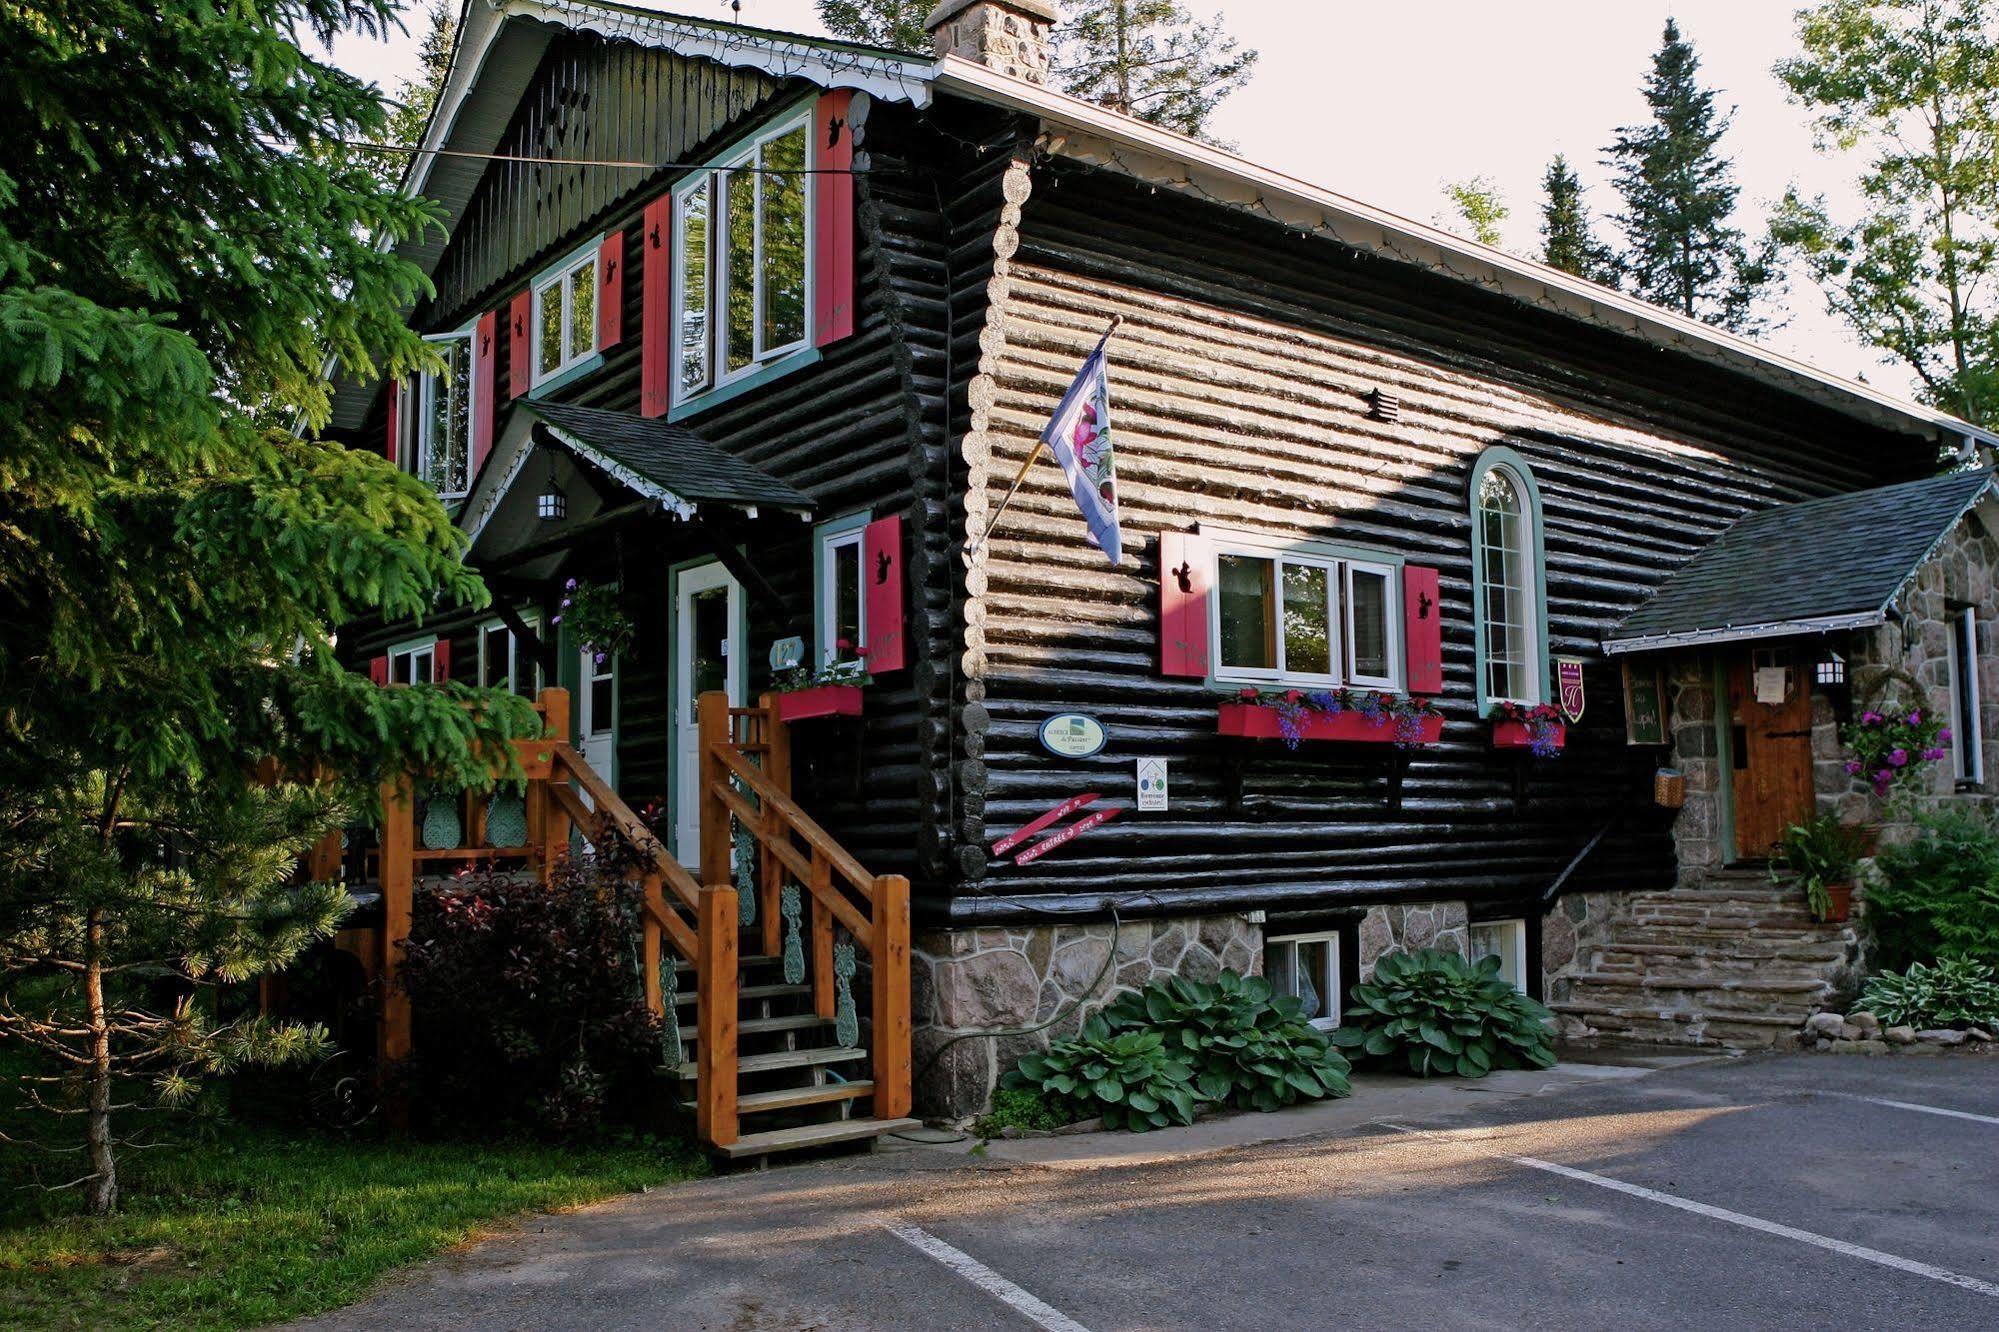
(1920, 1109)
(1712, 1212)
(991, 1282)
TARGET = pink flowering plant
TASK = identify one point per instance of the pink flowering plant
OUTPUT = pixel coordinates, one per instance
(591, 613)
(1294, 708)
(1891, 748)
(1543, 722)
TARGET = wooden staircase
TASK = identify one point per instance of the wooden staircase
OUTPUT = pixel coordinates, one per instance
(813, 1058)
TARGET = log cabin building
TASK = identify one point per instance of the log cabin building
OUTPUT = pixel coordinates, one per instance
(755, 330)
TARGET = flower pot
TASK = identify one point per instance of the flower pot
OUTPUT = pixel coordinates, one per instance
(833, 700)
(1253, 721)
(1519, 735)
(1839, 902)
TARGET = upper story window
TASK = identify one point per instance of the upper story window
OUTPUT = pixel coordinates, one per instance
(565, 315)
(1509, 604)
(507, 661)
(1304, 614)
(842, 606)
(742, 259)
(441, 451)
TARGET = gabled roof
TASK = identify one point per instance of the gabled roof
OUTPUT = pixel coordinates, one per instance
(1835, 563)
(664, 462)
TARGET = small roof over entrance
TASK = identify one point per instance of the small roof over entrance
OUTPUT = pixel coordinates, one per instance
(665, 462)
(1826, 564)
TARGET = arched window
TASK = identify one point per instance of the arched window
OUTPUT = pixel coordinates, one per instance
(1507, 581)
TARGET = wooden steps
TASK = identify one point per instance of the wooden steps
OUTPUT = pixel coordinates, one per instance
(794, 1098)
(766, 1026)
(779, 1060)
(685, 998)
(807, 1136)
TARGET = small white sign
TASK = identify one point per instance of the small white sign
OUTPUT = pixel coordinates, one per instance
(1151, 784)
(1772, 685)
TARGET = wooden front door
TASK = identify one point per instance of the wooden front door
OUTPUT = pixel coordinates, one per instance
(1770, 743)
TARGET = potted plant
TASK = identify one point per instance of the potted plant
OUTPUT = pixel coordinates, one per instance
(1539, 728)
(595, 620)
(1358, 716)
(834, 690)
(1823, 853)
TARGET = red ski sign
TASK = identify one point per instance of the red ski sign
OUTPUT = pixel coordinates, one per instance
(1052, 817)
(1068, 834)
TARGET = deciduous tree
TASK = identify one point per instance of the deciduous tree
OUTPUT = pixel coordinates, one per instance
(1150, 59)
(894, 23)
(1478, 210)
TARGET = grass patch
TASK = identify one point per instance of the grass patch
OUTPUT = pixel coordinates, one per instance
(262, 1225)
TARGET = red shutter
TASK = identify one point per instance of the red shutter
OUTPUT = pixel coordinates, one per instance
(440, 661)
(611, 290)
(1183, 604)
(881, 555)
(392, 440)
(520, 375)
(378, 670)
(485, 383)
(833, 217)
(1422, 631)
(656, 308)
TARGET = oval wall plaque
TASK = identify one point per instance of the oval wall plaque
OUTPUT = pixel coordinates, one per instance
(1073, 735)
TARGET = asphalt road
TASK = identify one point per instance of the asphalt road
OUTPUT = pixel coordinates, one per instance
(1757, 1193)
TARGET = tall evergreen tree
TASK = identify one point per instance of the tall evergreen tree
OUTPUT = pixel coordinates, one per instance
(1682, 249)
(416, 98)
(1913, 84)
(1567, 240)
(892, 23)
(1150, 59)
(182, 244)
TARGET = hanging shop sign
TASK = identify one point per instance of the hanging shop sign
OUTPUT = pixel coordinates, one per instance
(1048, 820)
(1569, 687)
(1151, 785)
(1073, 735)
(1066, 835)
(787, 654)
(1644, 705)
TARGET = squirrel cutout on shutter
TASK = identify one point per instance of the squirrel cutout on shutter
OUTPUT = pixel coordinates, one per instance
(882, 595)
(1422, 631)
(656, 307)
(1184, 575)
(520, 373)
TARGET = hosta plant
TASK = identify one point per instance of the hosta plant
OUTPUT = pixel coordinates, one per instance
(1130, 1078)
(1956, 992)
(1250, 1048)
(1433, 1012)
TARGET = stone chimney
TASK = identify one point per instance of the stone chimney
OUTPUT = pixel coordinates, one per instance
(1011, 36)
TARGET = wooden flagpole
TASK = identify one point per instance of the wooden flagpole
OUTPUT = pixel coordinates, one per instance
(1040, 446)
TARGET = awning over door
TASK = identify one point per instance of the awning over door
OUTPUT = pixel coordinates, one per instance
(1814, 567)
(660, 461)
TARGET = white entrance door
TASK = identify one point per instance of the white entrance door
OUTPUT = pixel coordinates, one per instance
(596, 712)
(707, 655)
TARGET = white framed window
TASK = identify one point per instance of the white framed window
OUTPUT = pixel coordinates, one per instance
(842, 619)
(1967, 738)
(743, 259)
(600, 689)
(507, 661)
(1506, 574)
(1306, 967)
(414, 662)
(1505, 940)
(437, 443)
(1302, 614)
(565, 315)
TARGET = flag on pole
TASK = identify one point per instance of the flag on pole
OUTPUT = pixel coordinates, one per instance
(1080, 435)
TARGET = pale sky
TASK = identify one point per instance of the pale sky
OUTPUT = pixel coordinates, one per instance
(1383, 102)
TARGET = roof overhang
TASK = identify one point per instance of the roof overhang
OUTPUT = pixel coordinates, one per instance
(1744, 633)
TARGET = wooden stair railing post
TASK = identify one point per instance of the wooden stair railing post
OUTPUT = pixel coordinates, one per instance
(552, 837)
(825, 1001)
(655, 897)
(398, 879)
(892, 1026)
(770, 878)
(715, 1016)
(712, 729)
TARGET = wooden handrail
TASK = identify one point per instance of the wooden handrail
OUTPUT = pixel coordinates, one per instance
(799, 821)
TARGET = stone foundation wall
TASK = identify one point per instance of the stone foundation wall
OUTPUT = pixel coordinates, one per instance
(1570, 936)
(1405, 927)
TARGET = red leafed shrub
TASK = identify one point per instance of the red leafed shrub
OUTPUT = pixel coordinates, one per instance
(528, 1005)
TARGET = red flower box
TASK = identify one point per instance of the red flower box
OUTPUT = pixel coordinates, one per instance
(1517, 735)
(833, 700)
(1253, 721)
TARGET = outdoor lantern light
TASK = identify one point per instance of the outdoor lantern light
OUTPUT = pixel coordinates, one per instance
(551, 505)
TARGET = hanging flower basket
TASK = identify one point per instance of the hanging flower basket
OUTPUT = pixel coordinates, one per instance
(1539, 729)
(826, 700)
(1345, 716)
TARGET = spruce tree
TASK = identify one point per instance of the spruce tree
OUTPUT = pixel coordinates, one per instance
(891, 23)
(1682, 249)
(1150, 59)
(416, 98)
(183, 244)
(1567, 240)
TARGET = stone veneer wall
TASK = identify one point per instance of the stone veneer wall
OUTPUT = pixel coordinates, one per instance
(1570, 933)
(1406, 927)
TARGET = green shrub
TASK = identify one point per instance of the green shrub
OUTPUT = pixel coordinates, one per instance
(1437, 1013)
(1250, 1048)
(1021, 1107)
(1938, 895)
(1128, 1077)
(1821, 851)
(1956, 992)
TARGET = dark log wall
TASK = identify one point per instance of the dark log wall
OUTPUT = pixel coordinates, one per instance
(1237, 400)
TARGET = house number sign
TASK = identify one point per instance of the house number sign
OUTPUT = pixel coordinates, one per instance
(1073, 735)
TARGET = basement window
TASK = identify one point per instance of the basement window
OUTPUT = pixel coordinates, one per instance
(1306, 967)
(1505, 940)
